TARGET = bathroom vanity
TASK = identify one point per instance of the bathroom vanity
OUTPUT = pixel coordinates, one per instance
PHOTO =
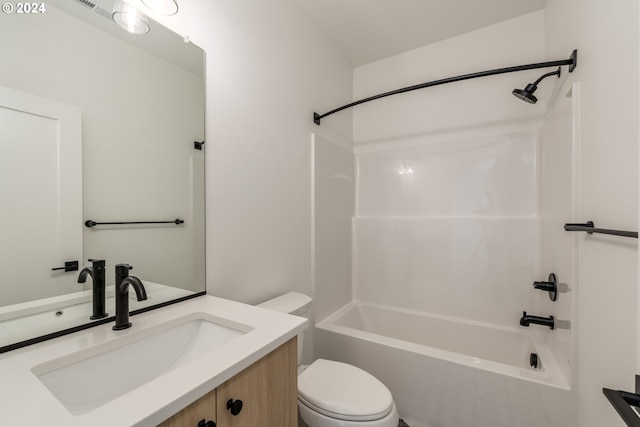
(263, 394)
(180, 365)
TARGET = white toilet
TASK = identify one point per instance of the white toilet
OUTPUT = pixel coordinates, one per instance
(335, 394)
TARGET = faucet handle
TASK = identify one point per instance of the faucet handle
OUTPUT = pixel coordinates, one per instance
(97, 263)
(551, 286)
(122, 271)
(68, 266)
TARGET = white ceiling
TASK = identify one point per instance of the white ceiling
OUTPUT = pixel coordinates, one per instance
(369, 30)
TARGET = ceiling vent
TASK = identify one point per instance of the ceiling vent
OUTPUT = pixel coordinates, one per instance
(95, 8)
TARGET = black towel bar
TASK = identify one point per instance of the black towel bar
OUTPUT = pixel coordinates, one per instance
(90, 223)
(589, 227)
(623, 401)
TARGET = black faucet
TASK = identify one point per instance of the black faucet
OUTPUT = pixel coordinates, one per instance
(97, 273)
(526, 320)
(123, 280)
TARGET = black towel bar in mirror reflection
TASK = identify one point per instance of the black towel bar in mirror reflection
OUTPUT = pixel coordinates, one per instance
(589, 227)
(90, 223)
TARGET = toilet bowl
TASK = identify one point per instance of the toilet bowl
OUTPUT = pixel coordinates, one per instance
(335, 394)
(338, 394)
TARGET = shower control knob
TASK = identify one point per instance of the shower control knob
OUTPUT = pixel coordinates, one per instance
(234, 406)
(550, 286)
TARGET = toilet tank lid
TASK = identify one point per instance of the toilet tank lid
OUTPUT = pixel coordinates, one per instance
(291, 303)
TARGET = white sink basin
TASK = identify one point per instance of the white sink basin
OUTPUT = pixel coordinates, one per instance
(88, 379)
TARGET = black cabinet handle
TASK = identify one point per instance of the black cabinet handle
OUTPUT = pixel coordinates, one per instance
(204, 423)
(235, 406)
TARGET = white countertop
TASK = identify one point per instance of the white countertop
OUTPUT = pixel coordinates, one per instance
(25, 401)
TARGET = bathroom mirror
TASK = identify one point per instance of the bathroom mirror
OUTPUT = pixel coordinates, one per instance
(97, 125)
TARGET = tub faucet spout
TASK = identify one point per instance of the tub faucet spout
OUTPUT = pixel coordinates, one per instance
(527, 319)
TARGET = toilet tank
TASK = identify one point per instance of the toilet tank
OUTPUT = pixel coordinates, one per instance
(293, 303)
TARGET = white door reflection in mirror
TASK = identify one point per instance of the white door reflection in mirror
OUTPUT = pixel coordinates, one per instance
(41, 193)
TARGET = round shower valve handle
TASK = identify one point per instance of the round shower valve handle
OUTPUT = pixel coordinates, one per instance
(234, 406)
(550, 286)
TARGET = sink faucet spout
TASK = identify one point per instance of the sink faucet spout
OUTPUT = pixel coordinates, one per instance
(97, 273)
(123, 281)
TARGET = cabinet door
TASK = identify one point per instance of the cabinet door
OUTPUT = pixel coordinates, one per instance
(268, 390)
(202, 409)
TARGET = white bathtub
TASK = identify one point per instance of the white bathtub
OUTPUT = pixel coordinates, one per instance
(445, 372)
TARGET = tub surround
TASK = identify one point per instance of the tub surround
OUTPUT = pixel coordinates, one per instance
(450, 227)
(447, 226)
(23, 398)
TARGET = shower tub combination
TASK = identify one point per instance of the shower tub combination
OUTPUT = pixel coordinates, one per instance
(446, 372)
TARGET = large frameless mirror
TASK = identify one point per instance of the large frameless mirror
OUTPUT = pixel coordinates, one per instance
(99, 159)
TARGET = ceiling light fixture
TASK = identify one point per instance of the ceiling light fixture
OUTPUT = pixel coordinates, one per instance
(163, 7)
(130, 18)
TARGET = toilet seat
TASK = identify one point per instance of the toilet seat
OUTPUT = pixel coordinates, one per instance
(345, 392)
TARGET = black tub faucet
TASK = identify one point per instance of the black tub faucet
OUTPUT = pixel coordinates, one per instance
(526, 320)
(123, 280)
(97, 273)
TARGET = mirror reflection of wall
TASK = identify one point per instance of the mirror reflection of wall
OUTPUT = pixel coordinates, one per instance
(140, 115)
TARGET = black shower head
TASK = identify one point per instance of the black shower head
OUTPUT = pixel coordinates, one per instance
(526, 94)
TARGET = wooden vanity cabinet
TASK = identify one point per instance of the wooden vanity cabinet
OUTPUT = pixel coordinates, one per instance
(192, 416)
(267, 391)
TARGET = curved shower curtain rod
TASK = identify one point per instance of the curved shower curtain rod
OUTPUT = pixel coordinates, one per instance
(571, 62)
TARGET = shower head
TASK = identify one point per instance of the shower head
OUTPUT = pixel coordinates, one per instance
(526, 94)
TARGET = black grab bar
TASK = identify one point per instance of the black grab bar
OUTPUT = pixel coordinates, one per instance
(589, 227)
(90, 223)
(623, 401)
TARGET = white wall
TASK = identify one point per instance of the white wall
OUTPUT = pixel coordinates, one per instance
(607, 38)
(334, 207)
(126, 177)
(452, 107)
(268, 70)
